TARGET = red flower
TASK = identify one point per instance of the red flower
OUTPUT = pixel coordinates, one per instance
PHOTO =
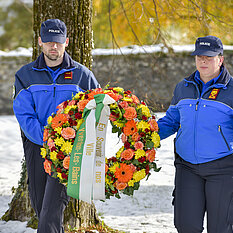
(60, 155)
(59, 170)
(142, 159)
(64, 176)
(78, 115)
(128, 92)
(144, 118)
(71, 113)
(127, 145)
(53, 149)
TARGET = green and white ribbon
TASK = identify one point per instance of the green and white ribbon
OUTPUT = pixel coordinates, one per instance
(86, 180)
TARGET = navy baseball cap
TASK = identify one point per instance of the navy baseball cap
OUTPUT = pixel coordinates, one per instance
(53, 30)
(210, 46)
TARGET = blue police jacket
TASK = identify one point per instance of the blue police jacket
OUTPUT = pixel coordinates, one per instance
(37, 93)
(203, 121)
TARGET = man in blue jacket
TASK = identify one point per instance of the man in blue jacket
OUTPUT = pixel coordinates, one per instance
(39, 88)
(201, 112)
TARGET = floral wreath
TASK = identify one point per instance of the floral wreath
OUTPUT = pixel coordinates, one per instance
(129, 117)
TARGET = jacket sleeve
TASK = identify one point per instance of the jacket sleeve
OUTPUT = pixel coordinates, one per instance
(93, 83)
(170, 123)
(24, 109)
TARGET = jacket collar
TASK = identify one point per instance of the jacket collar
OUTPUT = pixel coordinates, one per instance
(222, 80)
(67, 62)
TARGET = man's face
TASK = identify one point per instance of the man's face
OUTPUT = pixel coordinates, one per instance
(209, 67)
(53, 51)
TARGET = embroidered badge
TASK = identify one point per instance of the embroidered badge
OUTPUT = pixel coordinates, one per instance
(214, 93)
(68, 75)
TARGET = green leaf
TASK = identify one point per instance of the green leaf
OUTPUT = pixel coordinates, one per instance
(136, 185)
(128, 191)
(154, 166)
(117, 196)
(149, 144)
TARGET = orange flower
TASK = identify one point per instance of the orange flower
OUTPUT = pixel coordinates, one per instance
(153, 125)
(106, 168)
(95, 92)
(150, 155)
(120, 185)
(47, 166)
(60, 107)
(127, 154)
(132, 167)
(50, 143)
(138, 145)
(130, 113)
(112, 117)
(115, 96)
(46, 135)
(135, 99)
(59, 120)
(68, 133)
(124, 104)
(66, 162)
(72, 102)
(124, 138)
(130, 128)
(124, 173)
(135, 137)
(82, 104)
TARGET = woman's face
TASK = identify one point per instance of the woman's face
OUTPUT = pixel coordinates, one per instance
(209, 67)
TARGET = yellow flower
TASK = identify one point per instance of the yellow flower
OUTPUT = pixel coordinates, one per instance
(67, 147)
(114, 105)
(118, 154)
(49, 120)
(139, 153)
(127, 99)
(155, 139)
(131, 183)
(118, 124)
(58, 130)
(118, 89)
(113, 168)
(79, 122)
(59, 175)
(145, 110)
(59, 141)
(43, 152)
(53, 155)
(139, 175)
(143, 125)
(108, 181)
(67, 109)
(77, 96)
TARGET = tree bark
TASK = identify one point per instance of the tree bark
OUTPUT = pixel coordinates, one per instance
(77, 15)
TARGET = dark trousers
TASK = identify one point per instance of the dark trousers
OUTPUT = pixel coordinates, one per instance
(204, 188)
(48, 196)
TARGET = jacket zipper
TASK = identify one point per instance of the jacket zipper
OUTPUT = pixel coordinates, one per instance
(220, 130)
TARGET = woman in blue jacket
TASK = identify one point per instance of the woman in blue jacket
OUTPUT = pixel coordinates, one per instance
(201, 112)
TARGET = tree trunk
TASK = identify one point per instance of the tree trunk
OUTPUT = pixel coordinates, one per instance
(77, 15)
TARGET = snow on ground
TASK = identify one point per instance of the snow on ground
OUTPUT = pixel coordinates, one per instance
(150, 209)
(132, 49)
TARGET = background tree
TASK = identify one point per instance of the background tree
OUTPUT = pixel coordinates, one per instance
(77, 14)
(141, 22)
